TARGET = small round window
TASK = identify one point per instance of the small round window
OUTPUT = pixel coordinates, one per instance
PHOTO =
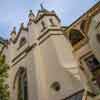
(56, 86)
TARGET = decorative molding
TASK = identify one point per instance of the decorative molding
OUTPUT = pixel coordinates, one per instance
(88, 53)
(26, 50)
(47, 31)
(47, 14)
(48, 37)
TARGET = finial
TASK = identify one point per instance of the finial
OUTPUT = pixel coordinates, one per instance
(31, 13)
(42, 8)
(14, 30)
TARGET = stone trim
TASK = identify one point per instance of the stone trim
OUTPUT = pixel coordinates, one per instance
(24, 51)
(48, 37)
(80, 44)
(19, 60)
(46, 14)
(47, 31)
(88, 53)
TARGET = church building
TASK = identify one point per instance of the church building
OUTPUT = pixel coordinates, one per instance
(49, 61)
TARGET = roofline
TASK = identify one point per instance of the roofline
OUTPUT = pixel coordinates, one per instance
(98, 3)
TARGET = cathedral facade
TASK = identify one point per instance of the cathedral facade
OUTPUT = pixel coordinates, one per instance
(51, 62)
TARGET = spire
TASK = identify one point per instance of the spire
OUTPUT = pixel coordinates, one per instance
(13, 34)
(31, 15)
(42, 7)
(14, 30)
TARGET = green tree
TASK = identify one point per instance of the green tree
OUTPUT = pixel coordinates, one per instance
(4, 93)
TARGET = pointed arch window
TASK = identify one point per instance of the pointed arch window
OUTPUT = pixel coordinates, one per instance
(22, 85)
(52, 22)
(75, 36)
(22, 42)
(43, 26)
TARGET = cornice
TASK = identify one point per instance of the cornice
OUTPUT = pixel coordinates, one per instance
(46, 14)
(47, 31)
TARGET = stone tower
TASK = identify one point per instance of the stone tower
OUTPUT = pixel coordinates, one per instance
(42, 66)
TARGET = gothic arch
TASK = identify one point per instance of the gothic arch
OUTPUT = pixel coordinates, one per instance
(75, 36)
(19, 71)
(21, 79)
(22, 42)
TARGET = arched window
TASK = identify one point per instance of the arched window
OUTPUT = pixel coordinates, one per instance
(22, 85)
(21, 80)
(52, 22)
(75, 36)
(22, 42)
(43, 26)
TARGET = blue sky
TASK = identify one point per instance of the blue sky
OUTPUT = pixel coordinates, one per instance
(13, 12)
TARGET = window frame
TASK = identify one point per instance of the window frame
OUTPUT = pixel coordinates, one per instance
(79, 44)
(22, 42)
